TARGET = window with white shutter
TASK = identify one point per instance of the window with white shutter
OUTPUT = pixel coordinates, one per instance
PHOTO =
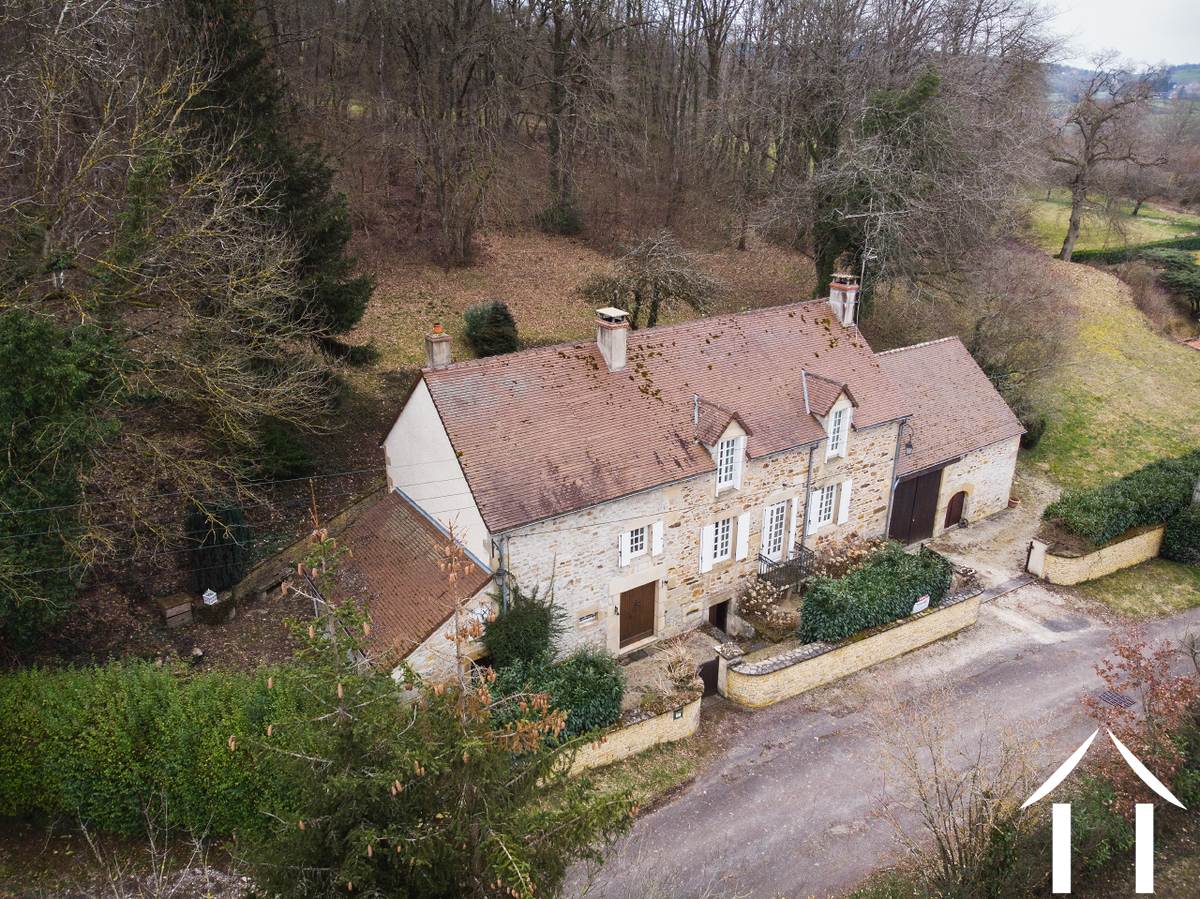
(774, 526)
(743, 536)
(656, 539)
(843, 502)
(706, 547)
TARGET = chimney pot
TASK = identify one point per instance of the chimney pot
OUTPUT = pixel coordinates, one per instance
(612, 330)
(437, 349)
(843, 298)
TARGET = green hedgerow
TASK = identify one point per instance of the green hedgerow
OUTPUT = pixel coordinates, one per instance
(1181, 539)
(1153, 494)
(879, 592)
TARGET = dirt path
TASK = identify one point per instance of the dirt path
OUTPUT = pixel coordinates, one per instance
(997, 546)
(790, 809)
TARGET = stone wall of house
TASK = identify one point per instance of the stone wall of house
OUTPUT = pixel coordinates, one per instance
(434, 657)
(761, 683)
(1131, 548)
(580, 550)
(621, 742)
(985, 475)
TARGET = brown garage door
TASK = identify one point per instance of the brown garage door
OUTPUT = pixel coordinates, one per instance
(637, 613)
(914, 507)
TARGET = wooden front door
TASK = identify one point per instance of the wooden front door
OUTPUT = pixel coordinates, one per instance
(914, 507)
(954, 511)
(637, 613)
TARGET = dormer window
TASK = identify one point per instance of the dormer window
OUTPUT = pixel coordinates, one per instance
(729, 462)
(839, 425)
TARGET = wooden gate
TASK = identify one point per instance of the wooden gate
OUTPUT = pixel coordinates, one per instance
(637, 613)
(914, 507)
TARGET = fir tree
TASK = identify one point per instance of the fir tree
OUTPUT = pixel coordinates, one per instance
(247, 104)
(403, 787)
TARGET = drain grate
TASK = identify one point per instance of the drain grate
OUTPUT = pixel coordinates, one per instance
(1120, 701)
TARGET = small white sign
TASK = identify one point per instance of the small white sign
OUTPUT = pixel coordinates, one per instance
(210, 597)
(921, 605)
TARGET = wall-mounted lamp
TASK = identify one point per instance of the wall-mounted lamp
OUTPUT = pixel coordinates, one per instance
(908, 441)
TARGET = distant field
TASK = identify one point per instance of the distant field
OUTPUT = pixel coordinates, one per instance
(1127, 396)
(1050, 218)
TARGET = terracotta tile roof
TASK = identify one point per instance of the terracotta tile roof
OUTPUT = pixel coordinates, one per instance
(393, 564)
(713, 419)
(957, 409)
(550, 430)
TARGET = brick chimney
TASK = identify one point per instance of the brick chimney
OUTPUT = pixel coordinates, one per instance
(843, 298)
(437, 349)
(612, 329)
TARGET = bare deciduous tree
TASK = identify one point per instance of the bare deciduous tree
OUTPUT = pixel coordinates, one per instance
(654, 276)
(1105, 126)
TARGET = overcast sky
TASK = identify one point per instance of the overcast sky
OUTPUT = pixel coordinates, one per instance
(1146, 31)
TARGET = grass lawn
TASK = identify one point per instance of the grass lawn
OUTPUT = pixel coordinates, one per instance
(1127, 396)
(1152, 589)
(1050, 218)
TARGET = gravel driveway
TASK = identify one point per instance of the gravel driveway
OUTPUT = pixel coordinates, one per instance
(789, 808)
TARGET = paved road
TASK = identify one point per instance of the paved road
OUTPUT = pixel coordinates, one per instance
(787, 809)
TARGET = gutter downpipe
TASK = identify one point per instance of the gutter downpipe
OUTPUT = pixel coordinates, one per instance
(887, 524)
(807, 496)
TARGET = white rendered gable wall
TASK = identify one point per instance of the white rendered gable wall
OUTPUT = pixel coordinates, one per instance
(421, 463)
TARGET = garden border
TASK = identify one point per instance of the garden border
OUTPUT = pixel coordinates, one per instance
(762, 683)
(1135, 546)
(619, 742)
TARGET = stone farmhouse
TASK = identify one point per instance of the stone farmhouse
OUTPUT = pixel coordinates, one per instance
(649, 475)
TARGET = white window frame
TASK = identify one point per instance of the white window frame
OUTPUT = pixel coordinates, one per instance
(774, 531)
(651, 542)
(638, 541)
(724, 540)
(729, 454)
(839, 429)
(722, 546)
(827, 505)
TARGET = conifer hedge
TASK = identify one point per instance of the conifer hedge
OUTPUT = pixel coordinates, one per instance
(879, 592)
(110, 745)
(1153, 494)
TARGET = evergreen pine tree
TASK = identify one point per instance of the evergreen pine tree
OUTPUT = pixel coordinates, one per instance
(220, 541)
(246, 103)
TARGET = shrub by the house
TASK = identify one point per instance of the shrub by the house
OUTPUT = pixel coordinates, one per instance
(588, 685)
(1153, 494)
(879, 592)
(524, 629)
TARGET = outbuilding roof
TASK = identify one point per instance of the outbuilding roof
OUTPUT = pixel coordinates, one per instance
(393, 565)
(551, 430)
(956, 410)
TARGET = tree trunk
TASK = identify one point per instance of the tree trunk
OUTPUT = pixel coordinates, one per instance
(1078, 198)
(1136, 207)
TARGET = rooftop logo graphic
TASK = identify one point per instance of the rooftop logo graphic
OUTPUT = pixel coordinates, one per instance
(1060, 823)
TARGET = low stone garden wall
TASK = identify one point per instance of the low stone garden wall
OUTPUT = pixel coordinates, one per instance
(760, 682)
(620, 742)
(1134, 546)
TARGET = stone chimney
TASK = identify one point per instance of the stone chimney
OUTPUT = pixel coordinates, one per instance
(843, 298)
(437, 349)
(612, 329)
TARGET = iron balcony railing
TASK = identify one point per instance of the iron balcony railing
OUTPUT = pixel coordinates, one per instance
(787, 573)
